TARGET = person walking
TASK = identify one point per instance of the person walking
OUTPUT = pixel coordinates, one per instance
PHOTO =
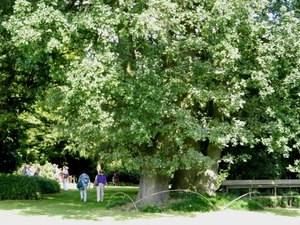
(102, 181)
(116, 177)
(82, 184)
(37, 171)
(65, 177)
(24, 170)
(56, 172)
(29, 171)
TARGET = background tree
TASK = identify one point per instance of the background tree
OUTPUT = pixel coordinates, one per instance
(277, 80)
(33, 56)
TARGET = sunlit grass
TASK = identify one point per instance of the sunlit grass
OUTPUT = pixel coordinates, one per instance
(118, 205)
(284, 212)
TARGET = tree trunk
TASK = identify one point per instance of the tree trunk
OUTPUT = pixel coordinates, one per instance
(200, 181)
(153, 188)
(209, 177)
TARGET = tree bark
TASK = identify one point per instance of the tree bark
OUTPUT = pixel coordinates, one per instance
(153, 188)
(201, 181)
(209, 177)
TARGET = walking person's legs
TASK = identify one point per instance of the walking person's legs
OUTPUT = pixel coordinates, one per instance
(98, 193)
(81, 195)
(85, 193)
(101, 190)
(65, 184)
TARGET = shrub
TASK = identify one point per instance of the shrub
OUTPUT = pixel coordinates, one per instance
(151, 209)
(46, 170)
(296, 202)
(269, 202)
(284, 202)
(255, 206)
(47, 185)
(23, 187)
(190, 202)
(275, 202)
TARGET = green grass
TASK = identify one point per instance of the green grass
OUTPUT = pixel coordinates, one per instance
(118, 204)
(284, 212)
(67, 205)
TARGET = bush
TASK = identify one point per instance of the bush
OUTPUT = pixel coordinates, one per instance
(255, 206)
(47, 186)
(190, 202)
(268, 202)
(46, 170)
(151, 209)
(296, 202)
(284, 202)
(23, 187)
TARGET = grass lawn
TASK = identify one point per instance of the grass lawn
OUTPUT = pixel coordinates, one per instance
(67, 205)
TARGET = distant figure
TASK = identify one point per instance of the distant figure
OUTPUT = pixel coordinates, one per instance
(29, 171)
(55, 173)
(24, 170)
(37, 171)
(65, 177)
(116, 177)
(82, 184)
(101, 184)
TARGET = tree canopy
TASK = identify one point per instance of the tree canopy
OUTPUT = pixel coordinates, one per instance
(159, 83)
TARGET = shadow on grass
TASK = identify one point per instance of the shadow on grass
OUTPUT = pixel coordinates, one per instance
(284, 212)
(67, 205)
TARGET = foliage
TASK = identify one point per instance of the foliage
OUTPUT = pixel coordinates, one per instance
(255, 206)
(190, 202)
(222, 175)
(47, 186)
(131, 176)
(284, 202)
(295, 168)
(151, 209)
(280, 201)
(296, 201)
(46, 170)
(268, 202)
(16, 187)
(137, 80)
(31, 62)
(119, 204)
(141, 89)
(267, 165)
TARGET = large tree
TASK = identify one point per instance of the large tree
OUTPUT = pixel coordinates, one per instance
(33, 48)
(169, 84)
(166, 85)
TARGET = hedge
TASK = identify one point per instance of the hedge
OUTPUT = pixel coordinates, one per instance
(16, 187)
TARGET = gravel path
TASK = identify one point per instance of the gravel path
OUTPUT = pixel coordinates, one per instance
(226, 217)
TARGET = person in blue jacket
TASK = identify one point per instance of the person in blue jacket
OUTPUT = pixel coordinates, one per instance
(82, 184)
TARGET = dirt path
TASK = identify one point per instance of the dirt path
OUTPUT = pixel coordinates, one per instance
(227, 217)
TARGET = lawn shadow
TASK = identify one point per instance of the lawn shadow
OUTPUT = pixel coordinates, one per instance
(67, 205)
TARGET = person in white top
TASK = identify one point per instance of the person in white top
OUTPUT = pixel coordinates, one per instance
(65, 177)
